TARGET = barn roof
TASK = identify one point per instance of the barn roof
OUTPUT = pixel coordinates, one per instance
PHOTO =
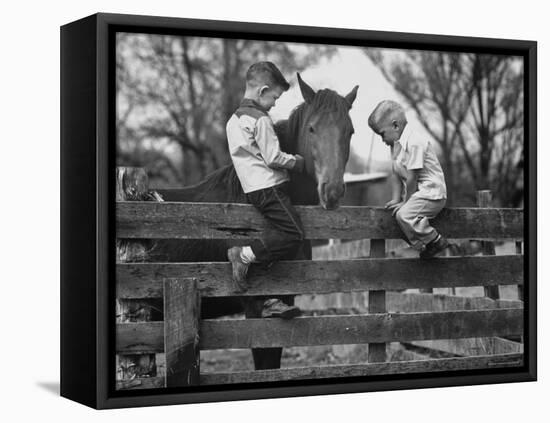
(352, 178)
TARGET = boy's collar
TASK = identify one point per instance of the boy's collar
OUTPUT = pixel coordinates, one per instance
(405, 135)
(248, 102)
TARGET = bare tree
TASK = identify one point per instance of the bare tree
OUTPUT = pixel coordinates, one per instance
(182, 90)
(472, 106)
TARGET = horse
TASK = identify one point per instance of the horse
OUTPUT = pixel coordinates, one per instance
(320, 130)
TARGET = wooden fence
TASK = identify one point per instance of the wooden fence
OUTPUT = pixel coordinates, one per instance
(178, 287)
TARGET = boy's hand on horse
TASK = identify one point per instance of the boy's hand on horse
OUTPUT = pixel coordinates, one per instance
(300, 163)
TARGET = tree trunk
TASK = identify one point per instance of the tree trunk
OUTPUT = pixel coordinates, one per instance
(132, 185)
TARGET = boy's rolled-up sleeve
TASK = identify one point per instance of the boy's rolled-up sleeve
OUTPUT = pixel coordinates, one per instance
(415, 158)
(269, 146)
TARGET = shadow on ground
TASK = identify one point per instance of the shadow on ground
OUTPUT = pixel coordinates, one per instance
(51, 387)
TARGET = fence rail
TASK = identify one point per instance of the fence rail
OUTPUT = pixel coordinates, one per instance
(374, 369)
(350, 370)
(144, 280)
(221, 220)
(329, 330)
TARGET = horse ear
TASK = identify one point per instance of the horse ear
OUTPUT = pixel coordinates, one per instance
(307, 91)
(350, 98)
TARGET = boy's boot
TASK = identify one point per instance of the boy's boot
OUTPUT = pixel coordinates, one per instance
(434, 247)
(276, 308)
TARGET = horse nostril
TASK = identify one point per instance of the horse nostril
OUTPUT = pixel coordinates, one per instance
(323, 192)
(332, 206)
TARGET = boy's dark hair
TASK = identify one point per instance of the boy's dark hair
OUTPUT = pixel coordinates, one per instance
(266, 73)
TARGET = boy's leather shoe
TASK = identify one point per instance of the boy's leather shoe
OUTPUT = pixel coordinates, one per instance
(240, 269)
(276, 308)
(434, 248)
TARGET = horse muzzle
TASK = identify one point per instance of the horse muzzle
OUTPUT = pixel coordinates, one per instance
(330, 194)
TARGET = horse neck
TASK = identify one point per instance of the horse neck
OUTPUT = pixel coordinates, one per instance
(289, 133)
(287, 143)
(303, 186)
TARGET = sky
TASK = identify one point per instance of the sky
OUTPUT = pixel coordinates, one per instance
(347, 68)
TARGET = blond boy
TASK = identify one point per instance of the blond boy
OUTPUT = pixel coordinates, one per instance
(418, 184)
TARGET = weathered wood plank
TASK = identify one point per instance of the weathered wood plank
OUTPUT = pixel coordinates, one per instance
(304, 331)
(356, 370)
(140, 338)
(472, 346)
(397, 302)
(377, 303)
(181, 332)
(203, 220)
(142, 280)
(359, 329)
(141, 383)
(413, 302)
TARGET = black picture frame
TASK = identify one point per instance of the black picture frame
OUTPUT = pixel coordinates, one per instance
(88, 215)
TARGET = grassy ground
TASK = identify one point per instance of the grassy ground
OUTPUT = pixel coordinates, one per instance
(241, 360)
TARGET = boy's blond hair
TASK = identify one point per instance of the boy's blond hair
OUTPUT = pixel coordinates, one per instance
(385, 110)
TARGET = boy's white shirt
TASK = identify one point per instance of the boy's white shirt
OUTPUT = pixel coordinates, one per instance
(416, 153)
(256, 153)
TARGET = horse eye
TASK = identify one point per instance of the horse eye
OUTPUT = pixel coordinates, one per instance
(311, 129)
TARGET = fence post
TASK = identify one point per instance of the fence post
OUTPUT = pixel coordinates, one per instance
(484, 200)
(520, 287)
(181, 332)
(377, 302)
(132, 185)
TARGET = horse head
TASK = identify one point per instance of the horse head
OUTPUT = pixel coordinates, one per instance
(324, 140)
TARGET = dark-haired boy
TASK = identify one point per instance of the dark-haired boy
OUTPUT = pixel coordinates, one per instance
(262, 169)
